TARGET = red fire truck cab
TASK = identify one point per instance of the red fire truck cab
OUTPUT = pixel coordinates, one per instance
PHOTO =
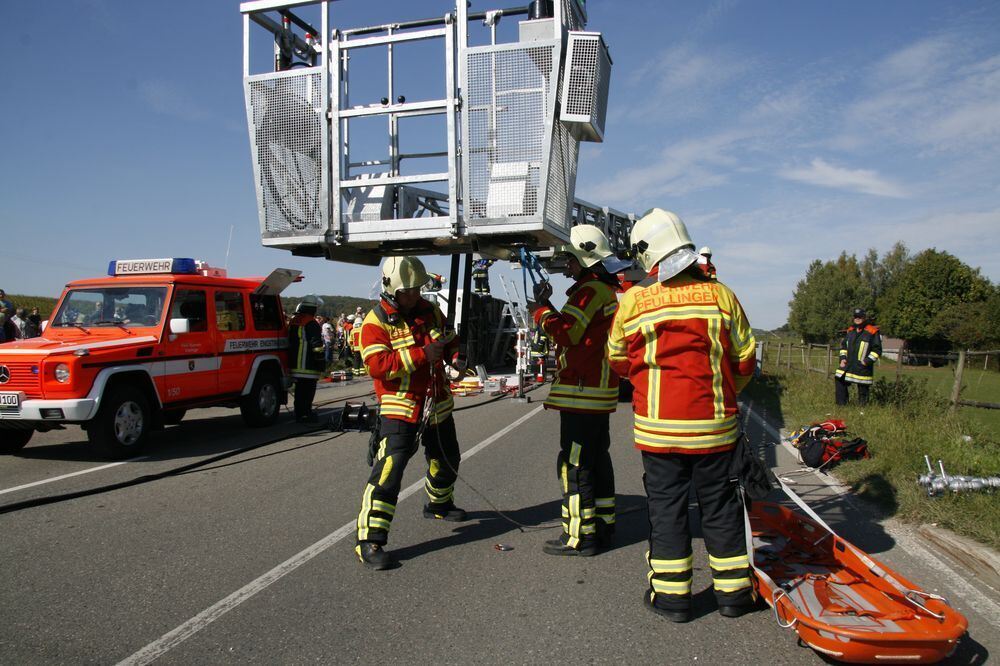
(131, 352)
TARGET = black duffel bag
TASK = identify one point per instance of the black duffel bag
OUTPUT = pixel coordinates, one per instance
(752, 475)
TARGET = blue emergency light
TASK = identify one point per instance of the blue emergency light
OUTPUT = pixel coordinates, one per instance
(175, 265)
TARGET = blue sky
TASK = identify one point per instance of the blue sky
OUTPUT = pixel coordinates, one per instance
(781, 132)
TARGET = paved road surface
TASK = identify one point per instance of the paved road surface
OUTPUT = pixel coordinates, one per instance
(249, 558)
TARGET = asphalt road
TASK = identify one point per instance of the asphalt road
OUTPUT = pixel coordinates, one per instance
(249, 557)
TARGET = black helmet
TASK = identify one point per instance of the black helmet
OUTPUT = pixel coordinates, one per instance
(859, 313)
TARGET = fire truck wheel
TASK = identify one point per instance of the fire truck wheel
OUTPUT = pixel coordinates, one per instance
(263, 405)
(12, 441)
(122, 424)
(173, 416)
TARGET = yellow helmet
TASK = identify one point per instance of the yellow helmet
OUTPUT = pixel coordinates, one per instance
(403, 273)
(587, 243)
(660, 237)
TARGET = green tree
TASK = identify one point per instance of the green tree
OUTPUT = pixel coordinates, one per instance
(821, 305)
(881, 274)
(929, 298)
(971, 325)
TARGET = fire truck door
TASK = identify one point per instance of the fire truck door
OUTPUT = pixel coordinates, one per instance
(192, 363)
(236, 349)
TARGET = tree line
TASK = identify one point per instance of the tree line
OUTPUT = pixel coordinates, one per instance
(931, 299)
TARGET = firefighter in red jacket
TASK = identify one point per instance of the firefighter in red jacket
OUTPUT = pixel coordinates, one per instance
(684, 341)
(861, 348)
(403, 341)
(584, 392)
(355, 341)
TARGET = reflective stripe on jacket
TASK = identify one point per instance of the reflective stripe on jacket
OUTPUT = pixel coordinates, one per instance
(392, 347)
(584, 381)
(862, 346)
(688, 349)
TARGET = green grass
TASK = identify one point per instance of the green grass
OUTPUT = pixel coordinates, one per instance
(898, 438)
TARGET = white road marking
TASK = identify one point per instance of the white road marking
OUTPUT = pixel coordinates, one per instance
(174, 638)
(972, 597)
(71, 474)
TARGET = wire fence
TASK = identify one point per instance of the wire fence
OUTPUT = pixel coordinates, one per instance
(966, 378)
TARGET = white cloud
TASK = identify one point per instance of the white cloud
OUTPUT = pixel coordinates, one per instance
(824, 174)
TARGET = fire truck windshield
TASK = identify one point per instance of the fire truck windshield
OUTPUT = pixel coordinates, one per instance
(130, 307)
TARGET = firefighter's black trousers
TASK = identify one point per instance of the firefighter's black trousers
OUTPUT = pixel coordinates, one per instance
(305, 391)
(586, 475)
(669, 477)
(397, 445)
(842, 391)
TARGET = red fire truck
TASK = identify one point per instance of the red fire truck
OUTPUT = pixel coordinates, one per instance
(131, 352)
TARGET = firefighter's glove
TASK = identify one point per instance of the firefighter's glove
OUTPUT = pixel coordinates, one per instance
(460, 362)
(542, 292)
(434, 351)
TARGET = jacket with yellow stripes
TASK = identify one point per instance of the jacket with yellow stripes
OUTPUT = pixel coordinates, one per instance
(584, 381)
(305, 347)
(392, 347)
(862, 346)
(688, 349)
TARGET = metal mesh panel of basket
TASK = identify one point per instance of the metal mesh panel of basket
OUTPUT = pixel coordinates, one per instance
(571, 19)
(507, 101)
(562, 176)
(584, 75)
(288, 135)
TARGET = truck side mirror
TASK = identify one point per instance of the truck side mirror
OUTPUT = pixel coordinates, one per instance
(180, 326)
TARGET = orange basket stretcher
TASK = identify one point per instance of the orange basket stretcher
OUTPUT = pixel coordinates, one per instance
(840, 601)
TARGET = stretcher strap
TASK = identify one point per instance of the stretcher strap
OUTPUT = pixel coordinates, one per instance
(904, 592)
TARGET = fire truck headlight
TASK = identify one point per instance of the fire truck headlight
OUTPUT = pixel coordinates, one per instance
(62, 373)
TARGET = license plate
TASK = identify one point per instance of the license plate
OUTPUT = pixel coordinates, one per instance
(10, 400)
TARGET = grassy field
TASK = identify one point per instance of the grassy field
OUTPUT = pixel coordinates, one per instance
(899, 436)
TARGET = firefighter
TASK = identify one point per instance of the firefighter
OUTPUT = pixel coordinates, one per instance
(859, 351)
(305, 351)
(686, 345)
(403, 342)
(584, 392)
(358, 364)
(705, 262)
(481, 276)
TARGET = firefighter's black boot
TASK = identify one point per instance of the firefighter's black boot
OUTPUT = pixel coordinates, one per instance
(445, 511)
(587, 548)
(373, 555)
(735, 611)
(605, 534)
(679, 616)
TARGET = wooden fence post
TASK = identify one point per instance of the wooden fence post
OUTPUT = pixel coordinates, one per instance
(956, 390)
(788, 361)
(807, 356)
(777, 358)
(829, 359)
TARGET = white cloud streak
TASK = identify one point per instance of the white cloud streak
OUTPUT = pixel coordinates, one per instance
(824, 174)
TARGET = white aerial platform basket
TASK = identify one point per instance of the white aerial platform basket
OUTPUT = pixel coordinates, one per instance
(504, 176)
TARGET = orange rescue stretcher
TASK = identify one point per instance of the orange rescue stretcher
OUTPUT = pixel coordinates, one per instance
(840, 601)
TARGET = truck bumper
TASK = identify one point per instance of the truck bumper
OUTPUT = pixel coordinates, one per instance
(53, 411)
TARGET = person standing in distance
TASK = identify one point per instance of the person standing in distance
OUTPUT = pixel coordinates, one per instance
(305, 353)
(584, 392)
(861, 348)
(684, 342)
(403, 344)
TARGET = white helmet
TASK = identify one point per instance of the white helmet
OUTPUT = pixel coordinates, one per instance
(660, 237)
(587, 243)
(311, 301)
(705, 251)
(358, 321)
(403, 273)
